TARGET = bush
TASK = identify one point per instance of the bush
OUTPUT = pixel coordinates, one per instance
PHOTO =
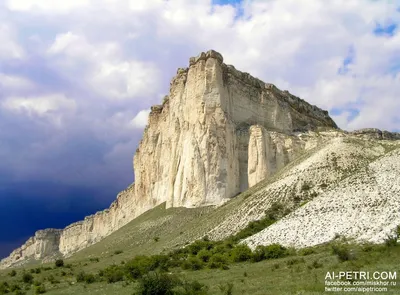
(59, 263)
(192, 263)
(37, 283)
(53, 280)
(198, 245)
(157, 284)
(14, 287)
(305, 187)
(275, 251)
(138, 266)
(113, 274)
(80, 277)
(20, 292)
(117, 252)
(258, 254)
(27, 278)
(218, 261)
(204, 255)
(241, 253)
(4, 288)
(191, 288)
(306, 251)
(40, 289)
(12, 273)
(226, 289)
(90, 278)
(342, 252)
(391, 241)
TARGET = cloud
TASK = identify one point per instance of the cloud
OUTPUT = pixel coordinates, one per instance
(39, 105)
(47, 5)
(9, 48)
(12, 82)
(140, 119)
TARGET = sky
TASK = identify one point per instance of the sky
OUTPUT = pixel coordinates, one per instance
(78, 77)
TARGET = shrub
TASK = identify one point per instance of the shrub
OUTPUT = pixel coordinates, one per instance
(27, 278)
(218, 261)
(53, 280)
(275, 251)
(258, 254)
(4, 288)
(241, 253)
(191, 288)
(94, 259)
(198, 245)
(40, 289)
(14, 287)
(12, 273)
(80, 277)
(113, 274)
(59, 263)
(316, 264)
(306, 251)
(226, 289)
(305, 187)
(117, 252)
(192, 263)
(294, 261)
(157, 284)
(204, 255)
(20, 292)
(37, 283)
(90, 278)
(138, 266)
(156, 239)
(342, 252)
(391, 240)
(160, 262)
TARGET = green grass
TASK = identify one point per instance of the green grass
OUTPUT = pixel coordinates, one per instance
(300, 273)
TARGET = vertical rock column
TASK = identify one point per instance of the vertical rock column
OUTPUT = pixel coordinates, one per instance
(258, 163)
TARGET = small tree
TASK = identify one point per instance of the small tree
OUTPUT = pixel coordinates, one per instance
(12, 273)
(27, 278)
(59, 263)
(241, 253)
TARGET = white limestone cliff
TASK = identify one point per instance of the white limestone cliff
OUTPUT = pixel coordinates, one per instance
(218, 132)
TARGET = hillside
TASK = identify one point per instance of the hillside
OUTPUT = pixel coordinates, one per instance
(344, 185)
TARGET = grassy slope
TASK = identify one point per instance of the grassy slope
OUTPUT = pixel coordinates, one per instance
(176, 227)
(291, 275)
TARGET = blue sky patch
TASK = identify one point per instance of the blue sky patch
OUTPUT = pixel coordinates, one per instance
(348, 60)
(385, 30)
(234, 3)
(353, 112)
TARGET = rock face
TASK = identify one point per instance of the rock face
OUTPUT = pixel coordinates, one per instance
(218, 132)
(197, 142)
(44, 243)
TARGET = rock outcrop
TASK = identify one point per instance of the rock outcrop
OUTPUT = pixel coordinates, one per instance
(43, 244)
(218, 132)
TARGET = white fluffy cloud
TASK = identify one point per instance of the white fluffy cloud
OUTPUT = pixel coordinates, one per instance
(140, 119)
(52, 107)
(47, 5)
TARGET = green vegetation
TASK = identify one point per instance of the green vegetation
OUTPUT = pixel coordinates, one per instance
(59, 263)
(215, 267)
